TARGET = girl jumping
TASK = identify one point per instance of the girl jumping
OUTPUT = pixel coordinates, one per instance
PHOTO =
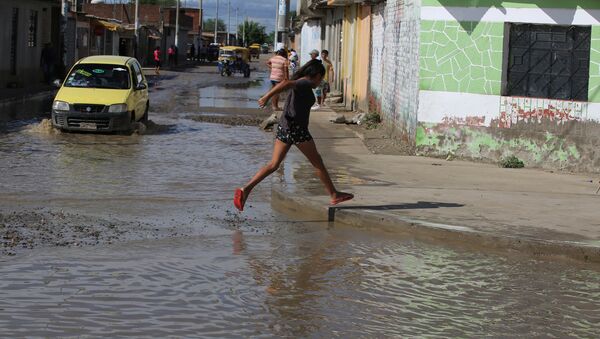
(293, 130)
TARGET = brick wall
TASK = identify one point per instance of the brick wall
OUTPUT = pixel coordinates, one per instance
(400, 91)
(376, 67)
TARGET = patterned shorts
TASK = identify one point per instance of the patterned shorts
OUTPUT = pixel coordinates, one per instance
(319, 90)
(294, 135)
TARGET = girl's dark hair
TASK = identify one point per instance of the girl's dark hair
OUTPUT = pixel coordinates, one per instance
(282, 53)
(310, 69)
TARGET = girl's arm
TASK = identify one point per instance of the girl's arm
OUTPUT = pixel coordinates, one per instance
(286, 70)
(282, 86)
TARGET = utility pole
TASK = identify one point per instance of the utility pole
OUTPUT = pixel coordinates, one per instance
(217, 22)
(244, 31)
(137, 26)
(228, 20)
(237, 24)
(200, 24)
(177, 27)
(276, 37)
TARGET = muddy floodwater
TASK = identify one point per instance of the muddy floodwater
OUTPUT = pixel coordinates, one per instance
(170, 257)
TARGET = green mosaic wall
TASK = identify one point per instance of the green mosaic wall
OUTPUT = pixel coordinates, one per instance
(461, 56)
(515, 4)
(594, 84)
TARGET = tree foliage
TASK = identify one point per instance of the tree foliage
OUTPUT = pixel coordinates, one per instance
(209, 25)
(254, 32)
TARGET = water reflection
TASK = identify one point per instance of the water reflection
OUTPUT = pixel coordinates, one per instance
(303, 281)
(239, 95)
(251, 275)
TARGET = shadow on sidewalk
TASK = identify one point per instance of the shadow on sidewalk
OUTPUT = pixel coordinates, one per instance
(407, 206)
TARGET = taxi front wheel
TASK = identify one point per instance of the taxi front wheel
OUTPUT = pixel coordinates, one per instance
(144, 118)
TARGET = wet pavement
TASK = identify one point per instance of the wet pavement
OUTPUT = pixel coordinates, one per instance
(163, 253)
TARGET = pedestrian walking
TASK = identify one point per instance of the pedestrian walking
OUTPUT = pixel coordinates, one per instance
(171, 55)
(279, 66)
(328, 78)
(157, 60)
(293, 130)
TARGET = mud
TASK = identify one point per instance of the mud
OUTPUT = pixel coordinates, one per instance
(230, 119)
(33, 229)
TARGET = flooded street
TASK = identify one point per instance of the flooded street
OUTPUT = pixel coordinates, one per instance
(170, 256)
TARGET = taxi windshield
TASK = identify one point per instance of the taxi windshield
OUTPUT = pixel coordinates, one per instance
(99, 76)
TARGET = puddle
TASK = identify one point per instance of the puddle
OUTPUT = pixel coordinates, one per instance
(239, 95)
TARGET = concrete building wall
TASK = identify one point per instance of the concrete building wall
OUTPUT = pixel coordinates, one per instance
(21, 66)
(349, 46)
(464, 109)
(311, 39)
(361, 56)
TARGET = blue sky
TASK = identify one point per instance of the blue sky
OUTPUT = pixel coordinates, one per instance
(262, 11)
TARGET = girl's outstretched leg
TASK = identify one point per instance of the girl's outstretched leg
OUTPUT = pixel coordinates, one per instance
(309, 149)
(280, 149)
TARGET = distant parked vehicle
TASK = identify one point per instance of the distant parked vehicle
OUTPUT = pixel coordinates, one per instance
(264, 48)
(234, 59)
(254, 51)
(102, 93)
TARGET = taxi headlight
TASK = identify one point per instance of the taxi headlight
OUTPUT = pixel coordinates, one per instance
(117, 108)
(60, 105)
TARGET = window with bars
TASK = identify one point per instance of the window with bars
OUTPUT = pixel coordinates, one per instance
(548, 61)
(13, 41)
(33, 28)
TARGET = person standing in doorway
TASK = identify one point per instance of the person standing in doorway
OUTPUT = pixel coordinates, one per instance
(293, 130)
(279, 66)
(328, 78)
(157, 60)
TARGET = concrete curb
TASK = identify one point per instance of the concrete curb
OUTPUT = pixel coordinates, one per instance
(462, 236)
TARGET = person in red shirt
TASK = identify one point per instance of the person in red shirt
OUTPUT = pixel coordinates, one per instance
(157, 60)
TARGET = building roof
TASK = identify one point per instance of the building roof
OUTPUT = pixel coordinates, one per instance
(105, 59)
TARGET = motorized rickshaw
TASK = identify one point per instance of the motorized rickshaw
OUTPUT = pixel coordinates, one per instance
(255, 51)
(234, 59)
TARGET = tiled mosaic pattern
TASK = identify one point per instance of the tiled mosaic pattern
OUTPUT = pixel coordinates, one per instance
(515, 4)
(461, 56)
(594, 84)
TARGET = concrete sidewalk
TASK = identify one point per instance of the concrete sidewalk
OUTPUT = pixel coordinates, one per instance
(481, 205)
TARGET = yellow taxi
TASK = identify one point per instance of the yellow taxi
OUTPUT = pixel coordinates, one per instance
(103, 93)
